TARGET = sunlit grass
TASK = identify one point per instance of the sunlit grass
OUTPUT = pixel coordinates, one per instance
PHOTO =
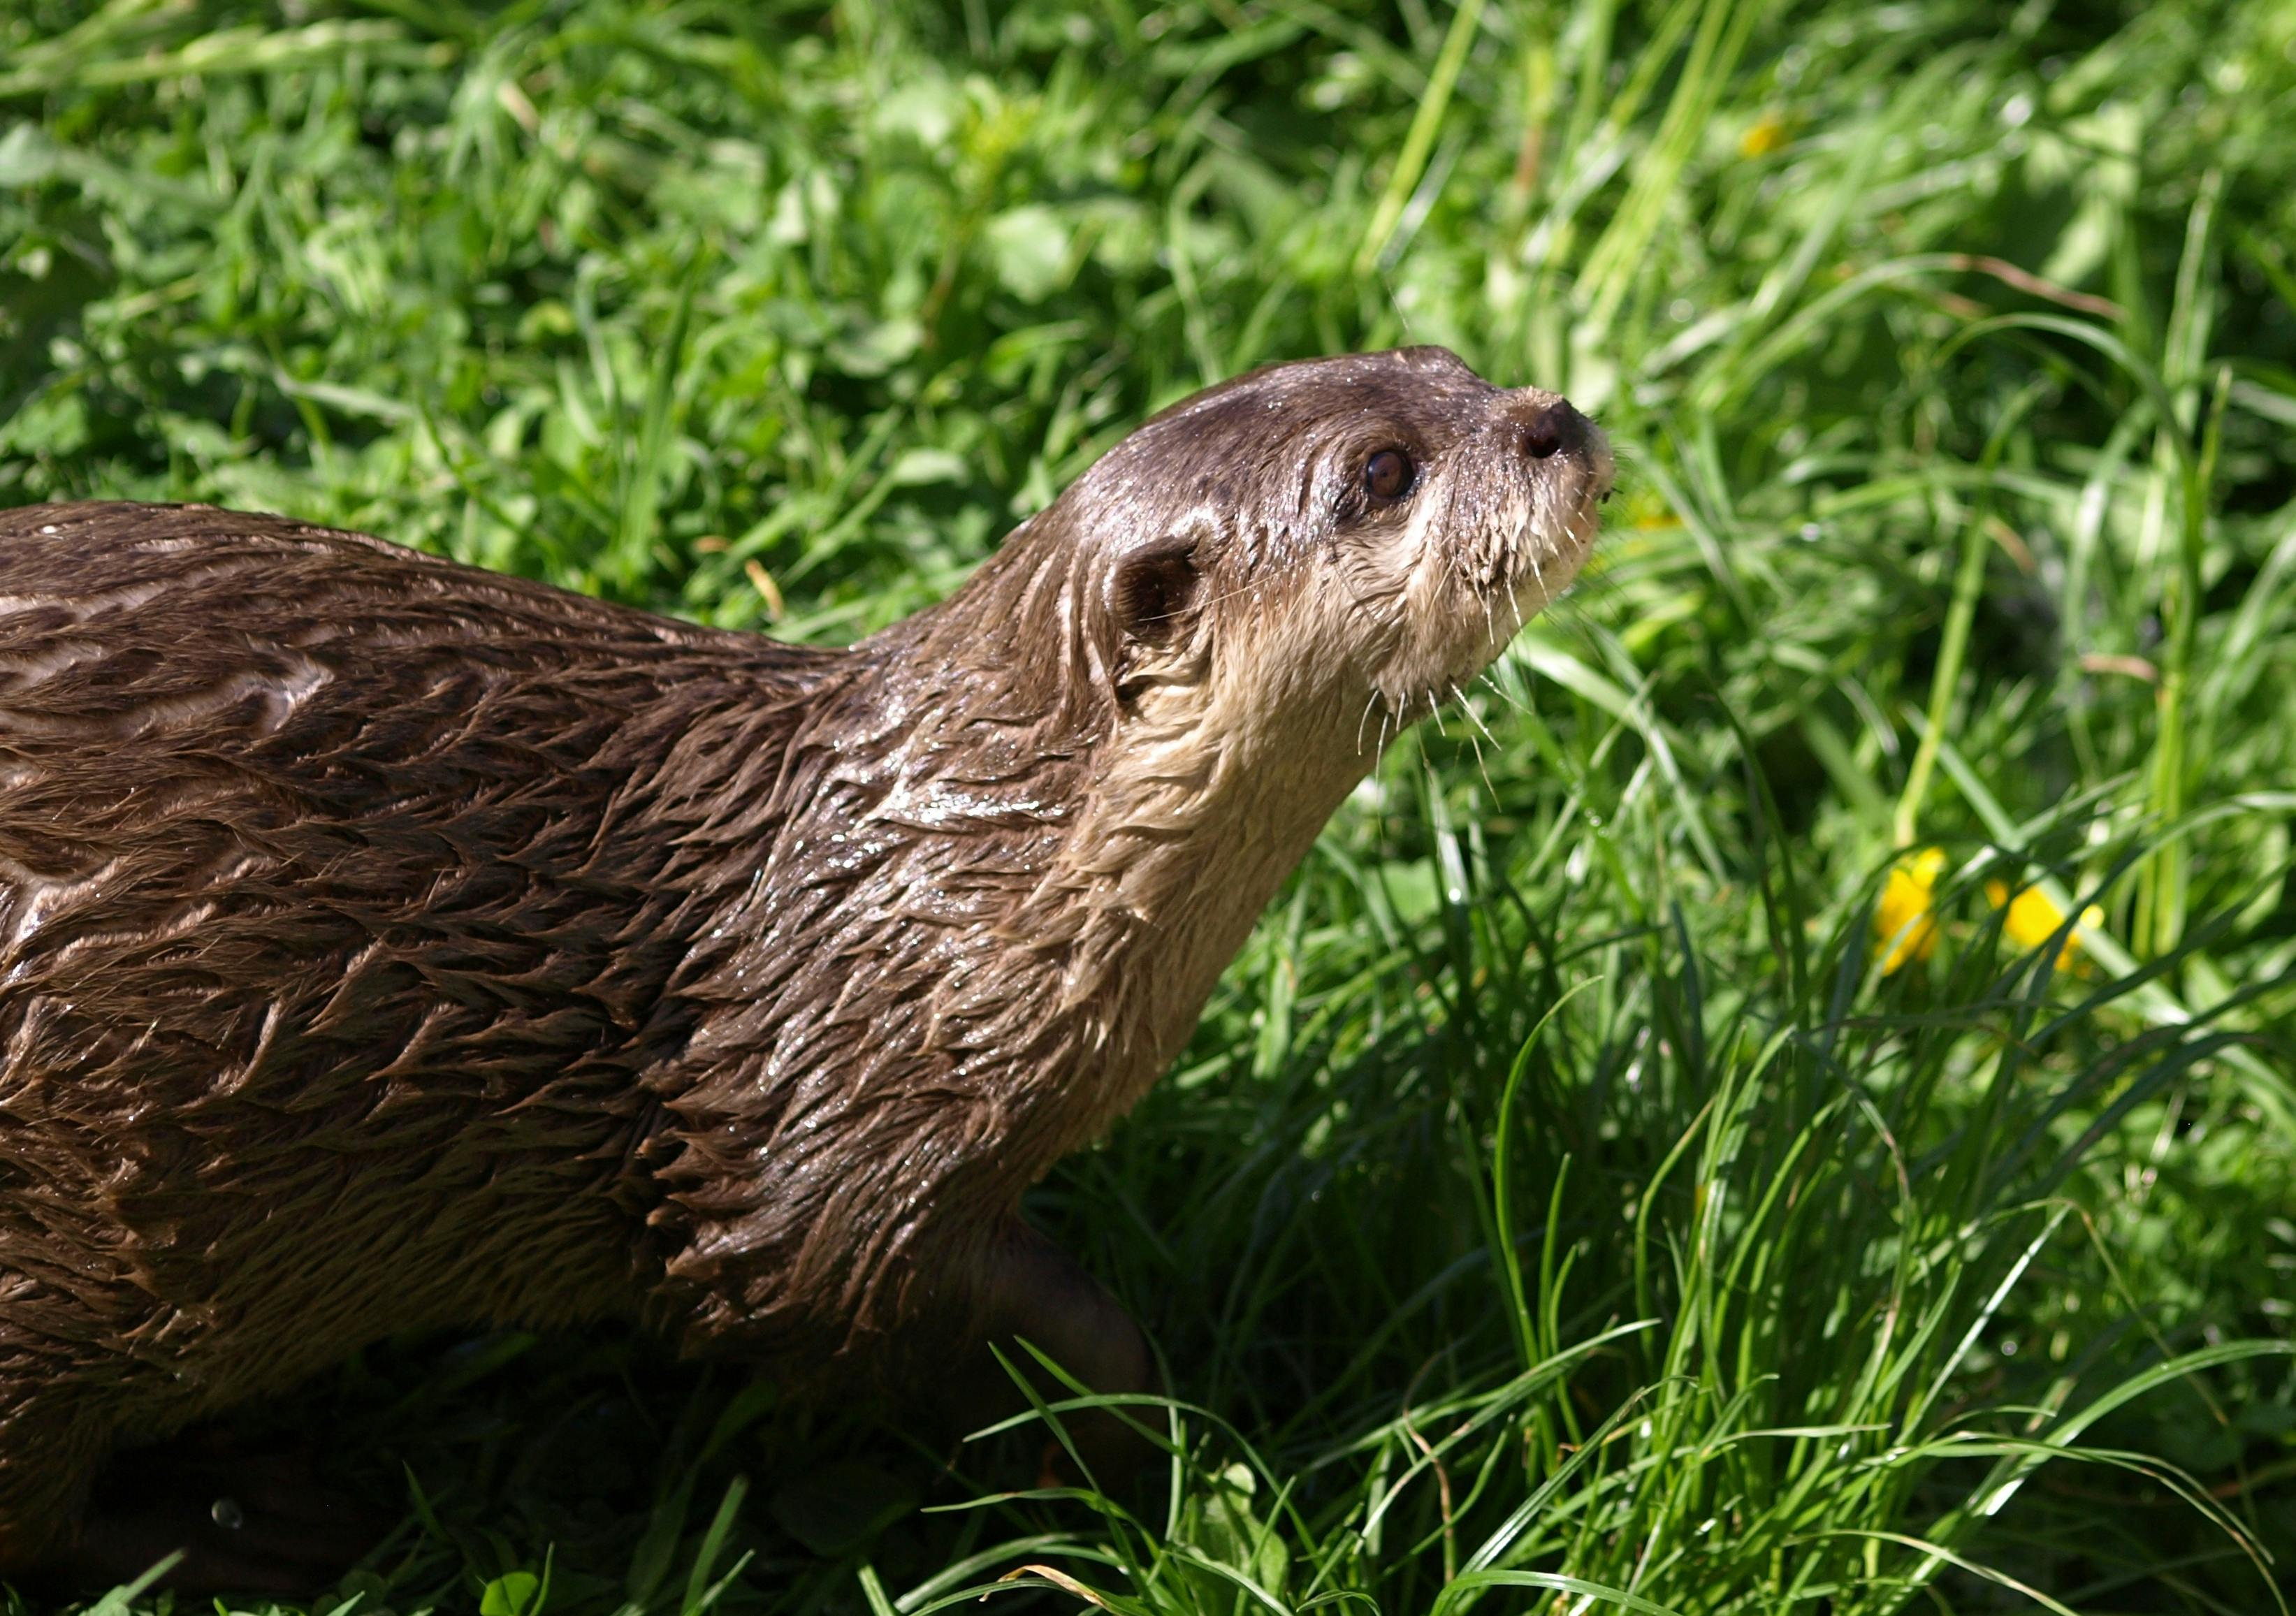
(1782, 1101)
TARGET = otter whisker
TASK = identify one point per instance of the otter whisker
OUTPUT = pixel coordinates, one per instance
(1459, 698)
(1500, 690)
(1360, 722)
(1475, 723)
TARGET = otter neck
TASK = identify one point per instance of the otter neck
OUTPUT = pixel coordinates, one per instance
(1187, 831)
(1181, 812)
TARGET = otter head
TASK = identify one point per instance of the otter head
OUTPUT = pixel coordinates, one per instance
(1369, 530)
(1361, 534)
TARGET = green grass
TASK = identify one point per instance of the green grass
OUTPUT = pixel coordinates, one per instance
(1558, 1208)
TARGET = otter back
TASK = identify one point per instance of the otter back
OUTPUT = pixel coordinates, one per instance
(337, 889)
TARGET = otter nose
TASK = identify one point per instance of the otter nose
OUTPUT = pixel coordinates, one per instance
(1552, 428)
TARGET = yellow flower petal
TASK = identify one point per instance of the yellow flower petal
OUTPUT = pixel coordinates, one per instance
(2034, 917)
(1767, 135)
(1904, 929)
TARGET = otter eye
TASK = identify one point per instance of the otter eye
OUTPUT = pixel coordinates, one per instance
(1153, 592)
(1388, 475)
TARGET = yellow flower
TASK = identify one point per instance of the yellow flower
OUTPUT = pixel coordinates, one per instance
(2034, 918)
(1767, 134)
(1904, 929)
(1645, 509)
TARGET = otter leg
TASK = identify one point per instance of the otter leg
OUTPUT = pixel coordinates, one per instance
(51, 1446)
(1026, 1288)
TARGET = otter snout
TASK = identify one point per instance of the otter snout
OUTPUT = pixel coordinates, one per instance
(1551, 428)
(1548, 427)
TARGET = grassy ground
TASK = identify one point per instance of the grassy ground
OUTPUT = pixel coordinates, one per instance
(1559, 1208)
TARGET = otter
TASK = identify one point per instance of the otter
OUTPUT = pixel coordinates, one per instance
(389, 945)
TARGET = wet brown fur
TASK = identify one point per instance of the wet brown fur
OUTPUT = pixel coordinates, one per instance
(388, 945)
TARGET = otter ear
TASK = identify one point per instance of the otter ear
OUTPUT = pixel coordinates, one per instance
(1156, 587)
